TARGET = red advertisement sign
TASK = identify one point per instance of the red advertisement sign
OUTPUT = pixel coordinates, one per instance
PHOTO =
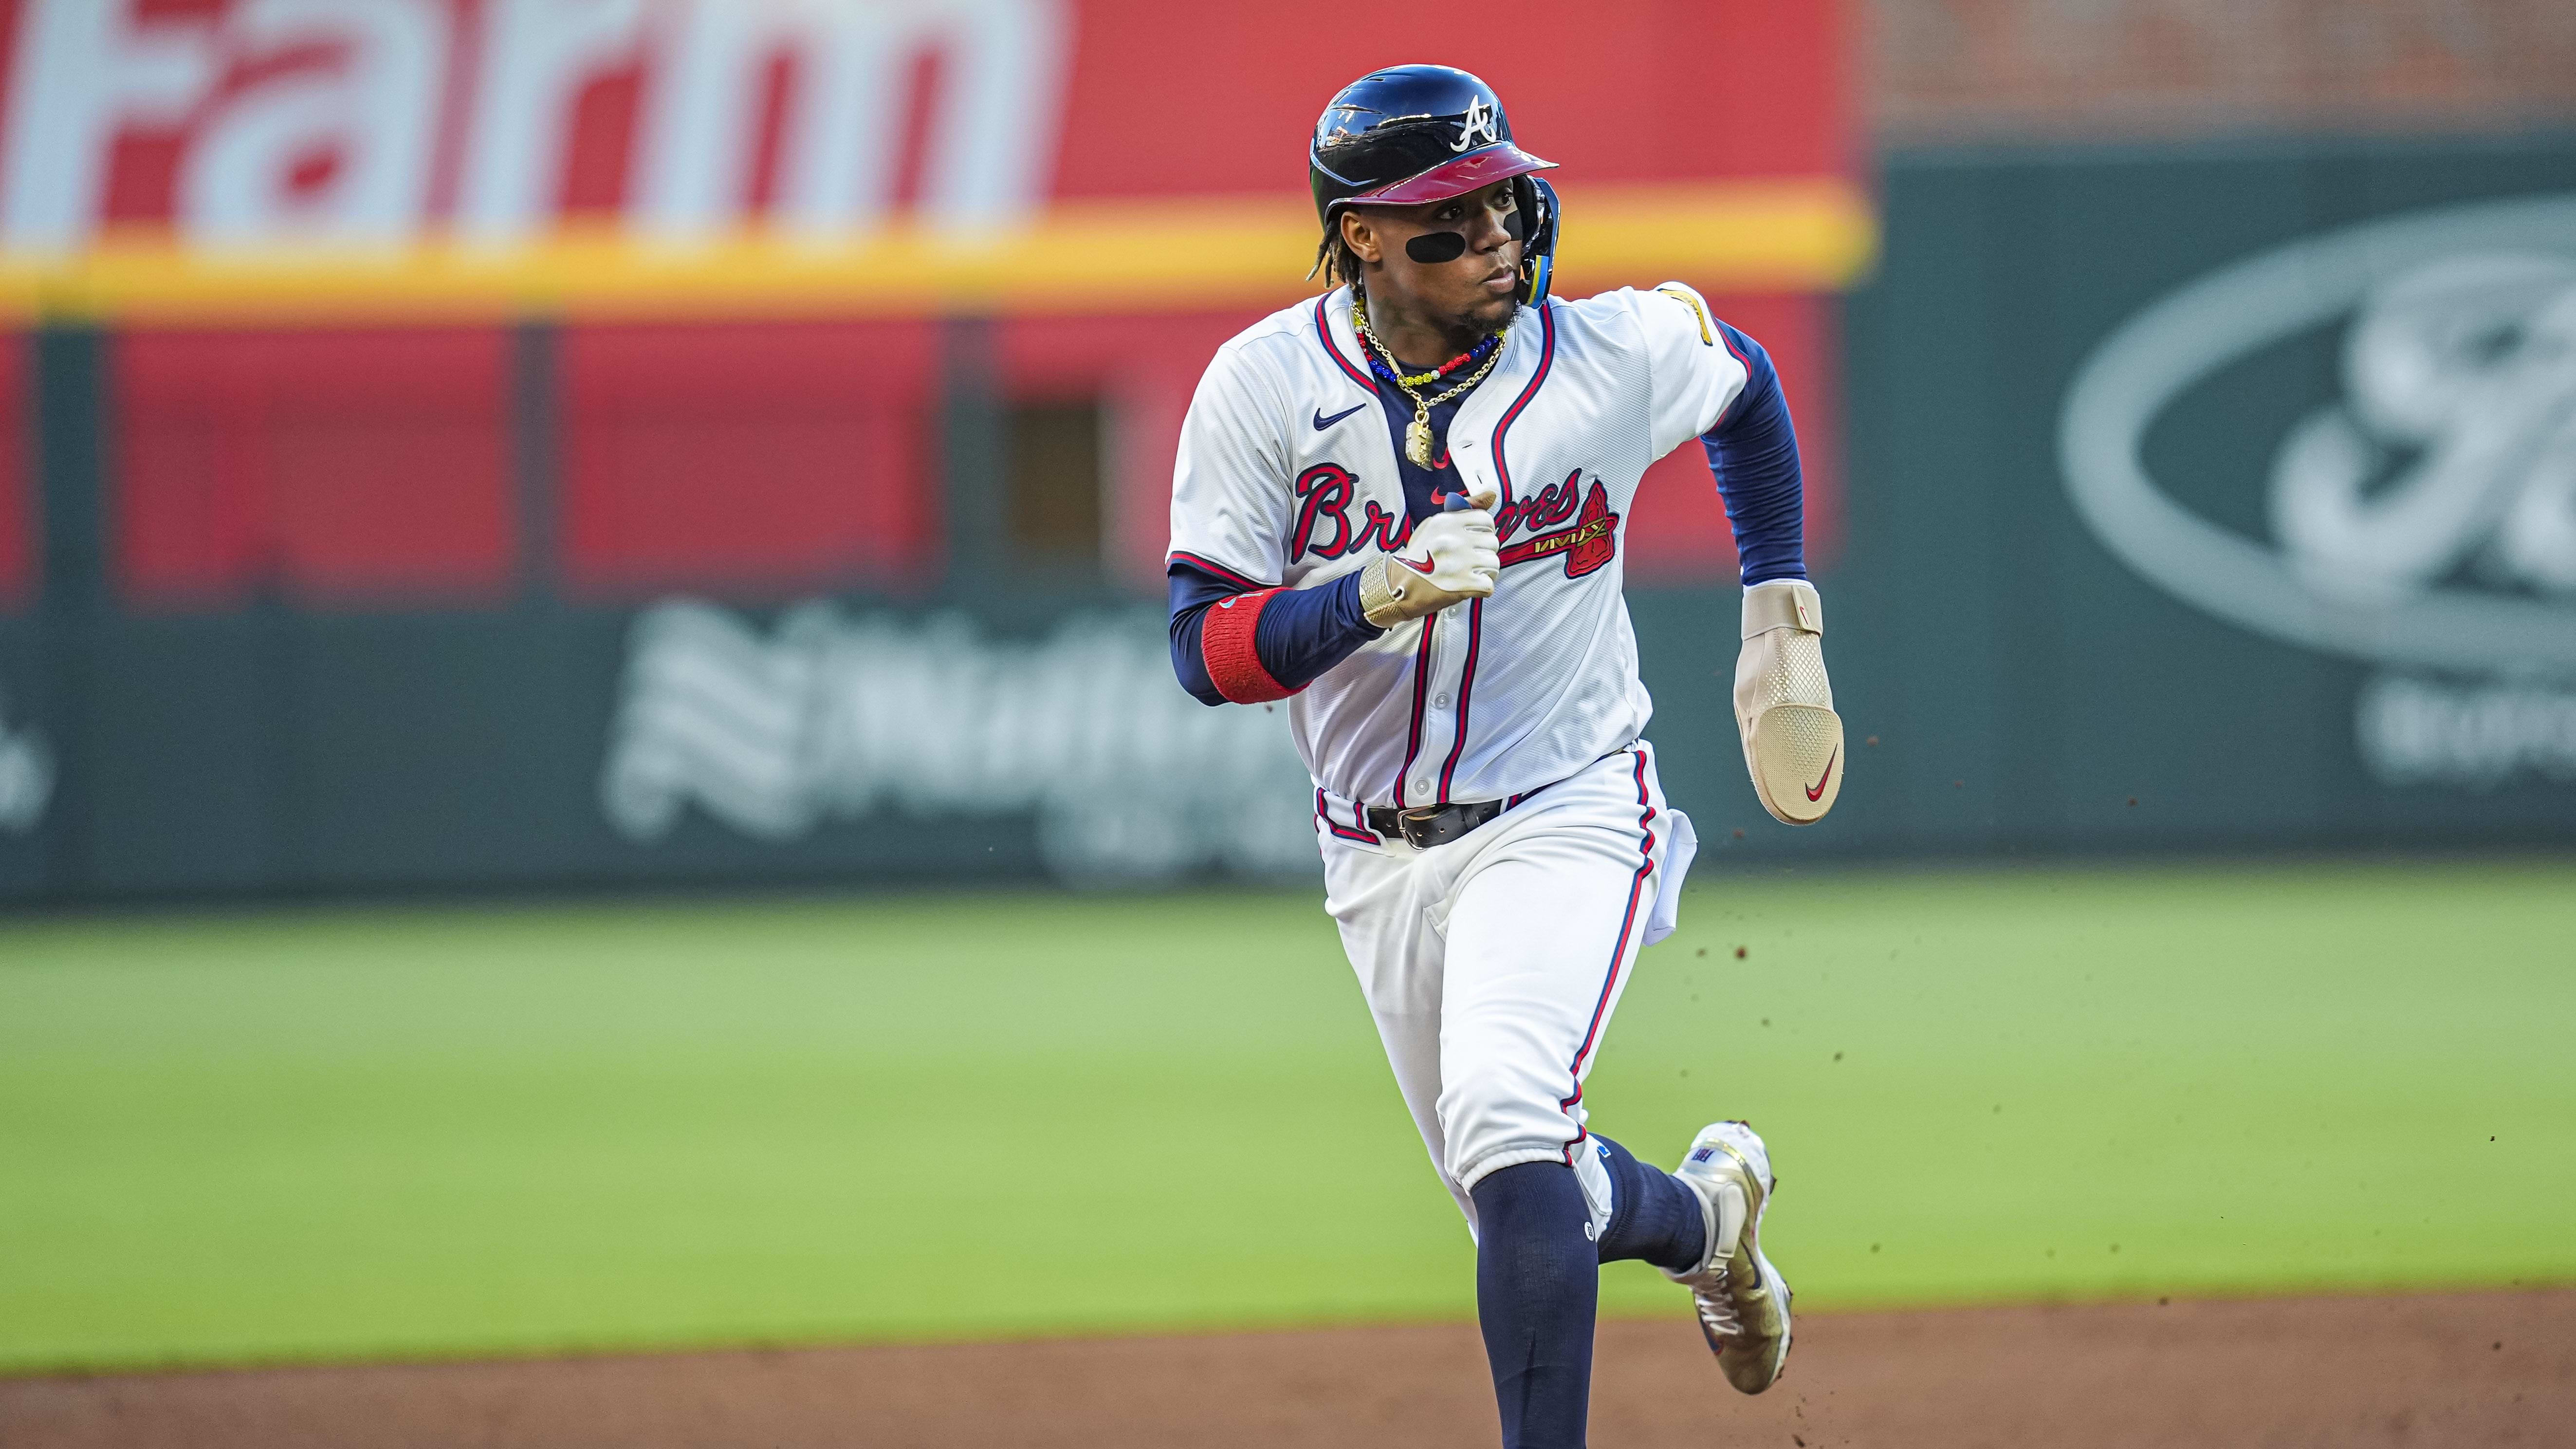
(626, 155)
(832, 168)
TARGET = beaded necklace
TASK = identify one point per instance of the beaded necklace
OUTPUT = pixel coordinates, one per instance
(1417, 435)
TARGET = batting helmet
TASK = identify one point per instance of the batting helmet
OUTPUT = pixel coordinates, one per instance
(1416, 133)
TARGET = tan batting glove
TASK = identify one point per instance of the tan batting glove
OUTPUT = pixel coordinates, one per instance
(1784, 704)
(1451, 558)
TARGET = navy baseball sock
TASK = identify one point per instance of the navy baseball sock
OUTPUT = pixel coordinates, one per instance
(1652, 1216)
(1537, 1286)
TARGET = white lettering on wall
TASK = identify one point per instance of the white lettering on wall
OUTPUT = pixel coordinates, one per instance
(83, 72)
(832, 716)
(302, 121)
(2425, 519)
(2431, 732)
(536, 56)
(2456, 441)
(993, 127)
(26, 776)
(373, 118)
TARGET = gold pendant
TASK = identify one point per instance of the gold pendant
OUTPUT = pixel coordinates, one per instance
(1417, 441)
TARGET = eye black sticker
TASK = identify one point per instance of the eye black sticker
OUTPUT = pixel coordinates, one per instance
(1434, 247)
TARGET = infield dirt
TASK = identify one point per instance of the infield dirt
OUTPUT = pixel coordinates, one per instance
(2456, 1369)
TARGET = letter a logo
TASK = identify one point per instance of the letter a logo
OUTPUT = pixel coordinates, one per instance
(1479, 121)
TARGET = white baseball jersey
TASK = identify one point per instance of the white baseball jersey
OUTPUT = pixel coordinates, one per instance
(1281, 480)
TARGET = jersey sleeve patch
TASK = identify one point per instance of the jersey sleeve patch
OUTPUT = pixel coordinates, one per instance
(1227, 643)
(1694, 376)
(1698, 309)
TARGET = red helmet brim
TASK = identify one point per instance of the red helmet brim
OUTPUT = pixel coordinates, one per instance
(1478, 168)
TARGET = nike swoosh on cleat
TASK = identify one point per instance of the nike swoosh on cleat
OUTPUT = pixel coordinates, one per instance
(1818, 793)
(1322, 422)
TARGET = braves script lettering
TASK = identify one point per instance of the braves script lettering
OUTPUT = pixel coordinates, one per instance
(1547, 508)
(1590, 543)
(1324, 496)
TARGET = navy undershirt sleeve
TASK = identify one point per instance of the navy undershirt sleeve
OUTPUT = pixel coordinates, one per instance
(1193, 591)
(1753, 450)
(1302, 633)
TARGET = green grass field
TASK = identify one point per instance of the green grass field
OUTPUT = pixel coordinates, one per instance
(336, 1133)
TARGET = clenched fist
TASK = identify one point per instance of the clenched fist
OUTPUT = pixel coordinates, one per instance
(1451, 558)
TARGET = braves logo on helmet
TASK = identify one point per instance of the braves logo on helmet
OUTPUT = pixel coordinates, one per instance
(1476, 127)
(1416, 133)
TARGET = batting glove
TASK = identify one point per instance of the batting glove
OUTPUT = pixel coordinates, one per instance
(1452, 557)
(1784, 704)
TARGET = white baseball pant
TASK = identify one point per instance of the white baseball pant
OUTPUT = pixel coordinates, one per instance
(1492, 964)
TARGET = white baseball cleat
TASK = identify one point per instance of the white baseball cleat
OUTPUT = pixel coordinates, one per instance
(1743, 1301)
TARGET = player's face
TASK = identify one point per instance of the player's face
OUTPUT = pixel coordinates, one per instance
(1473, 286)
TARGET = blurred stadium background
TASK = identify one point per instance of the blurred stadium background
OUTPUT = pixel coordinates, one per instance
(587, 762)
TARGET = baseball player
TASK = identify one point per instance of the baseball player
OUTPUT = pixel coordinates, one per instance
(1401, 506)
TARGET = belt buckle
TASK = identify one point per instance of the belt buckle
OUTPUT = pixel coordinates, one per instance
(1418, 823)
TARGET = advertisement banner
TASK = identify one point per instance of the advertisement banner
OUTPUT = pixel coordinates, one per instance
(551, 441)
(207, 160)
(834, 715)
(2217, 498)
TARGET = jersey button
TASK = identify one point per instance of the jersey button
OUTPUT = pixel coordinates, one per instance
(1440, 701)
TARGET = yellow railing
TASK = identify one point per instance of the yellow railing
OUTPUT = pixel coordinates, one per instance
(1130, 256)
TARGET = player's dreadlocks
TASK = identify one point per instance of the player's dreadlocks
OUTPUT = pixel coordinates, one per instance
(1335, 259)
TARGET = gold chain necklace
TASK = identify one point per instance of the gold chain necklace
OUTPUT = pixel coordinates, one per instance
(1417, 434)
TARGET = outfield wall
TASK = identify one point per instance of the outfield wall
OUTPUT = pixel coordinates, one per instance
(2218, 498)
(2237, 480)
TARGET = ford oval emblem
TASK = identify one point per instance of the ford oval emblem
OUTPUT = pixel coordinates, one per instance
(2427, 517)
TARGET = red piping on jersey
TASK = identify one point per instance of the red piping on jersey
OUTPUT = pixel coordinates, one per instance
(1324, 812)
(1618, 953)
(1227, 631)
(1421, 686)
(1546, 358)
(1466, 686)
(1324, 334)
(1476, 610)
(1218, 569)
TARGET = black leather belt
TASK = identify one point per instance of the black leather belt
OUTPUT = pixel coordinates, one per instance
(1424, 826)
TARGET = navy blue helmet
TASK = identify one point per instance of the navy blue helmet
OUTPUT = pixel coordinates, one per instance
(1416, 133)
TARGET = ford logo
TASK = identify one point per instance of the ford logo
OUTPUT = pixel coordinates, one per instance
(2424, 519)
